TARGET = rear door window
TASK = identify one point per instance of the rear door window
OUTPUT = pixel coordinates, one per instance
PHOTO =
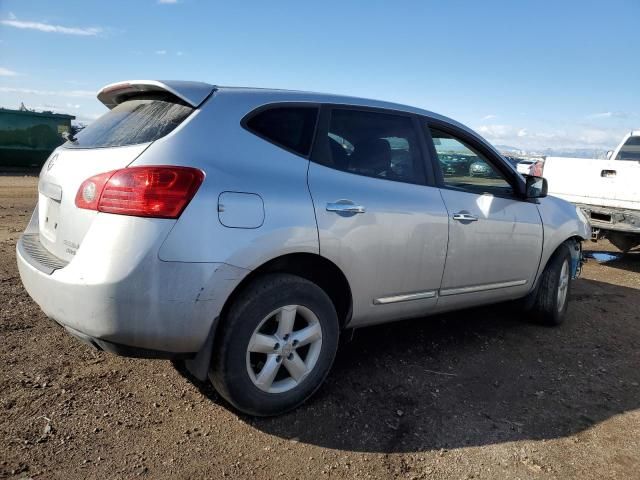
(291, 128)
(381, 145)
(138, 120)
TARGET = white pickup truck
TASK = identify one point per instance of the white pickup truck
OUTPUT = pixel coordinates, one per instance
(607, 191)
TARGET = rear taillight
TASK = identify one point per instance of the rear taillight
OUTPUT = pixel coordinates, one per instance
(161, 192)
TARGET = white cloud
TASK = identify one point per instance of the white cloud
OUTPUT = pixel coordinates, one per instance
(608, 115)
(5, 72)
(167, 2)
(49, 93)
(488, 117)
(88, 117)
(497, 131)
(575, 137)
(179, 53)
(12, 21)
(161, 52)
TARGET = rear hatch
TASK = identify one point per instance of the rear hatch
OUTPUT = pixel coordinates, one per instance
(141, 113)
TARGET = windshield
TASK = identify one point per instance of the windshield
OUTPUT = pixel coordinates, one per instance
(138, 120)
(630, 150)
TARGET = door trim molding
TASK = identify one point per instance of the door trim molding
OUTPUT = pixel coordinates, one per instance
(404, 297)
(481, 288)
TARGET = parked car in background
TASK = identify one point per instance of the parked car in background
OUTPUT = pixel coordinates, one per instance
(241, 230)
(524, 166)
(606, 190)
(455, 164)
(480, 168)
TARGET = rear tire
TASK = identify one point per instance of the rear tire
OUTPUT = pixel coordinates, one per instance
(554, 287)
(275, 346)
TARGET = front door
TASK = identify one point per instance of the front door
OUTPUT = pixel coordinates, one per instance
(378, 220)
(495, 238)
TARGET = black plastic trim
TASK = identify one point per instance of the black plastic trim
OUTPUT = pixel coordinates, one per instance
(34, 253)
(126, 350)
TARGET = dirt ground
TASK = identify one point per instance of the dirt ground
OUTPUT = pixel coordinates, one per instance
(477, 394)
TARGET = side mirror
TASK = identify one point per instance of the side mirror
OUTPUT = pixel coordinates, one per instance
(537, 187)
(609, 153)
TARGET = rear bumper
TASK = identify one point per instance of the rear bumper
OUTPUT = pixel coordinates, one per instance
(126, 350)
(128, 301)
(615, 219)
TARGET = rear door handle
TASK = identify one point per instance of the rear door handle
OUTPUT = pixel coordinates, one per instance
(465, 217)
(345, 206)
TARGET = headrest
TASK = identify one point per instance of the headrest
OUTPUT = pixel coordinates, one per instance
(372, 155)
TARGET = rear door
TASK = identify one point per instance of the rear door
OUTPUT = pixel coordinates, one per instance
(380, 219)
(111, 142)
(495, 238)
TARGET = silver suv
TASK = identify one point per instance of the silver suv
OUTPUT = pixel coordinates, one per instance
(240, 230)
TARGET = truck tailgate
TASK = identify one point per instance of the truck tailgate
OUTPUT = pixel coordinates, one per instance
(611, 183)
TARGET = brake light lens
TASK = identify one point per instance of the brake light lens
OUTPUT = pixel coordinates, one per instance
(154, 191)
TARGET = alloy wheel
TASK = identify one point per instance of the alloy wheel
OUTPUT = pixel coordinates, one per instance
(284, 349)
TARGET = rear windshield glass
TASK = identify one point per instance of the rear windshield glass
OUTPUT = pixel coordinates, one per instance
(138, 120)
(630, 150)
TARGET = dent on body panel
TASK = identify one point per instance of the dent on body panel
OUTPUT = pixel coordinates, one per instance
(221, 283)
(267, 244)
(179, 302)
(143, 301)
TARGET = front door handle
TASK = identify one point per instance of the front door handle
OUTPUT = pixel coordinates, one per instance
(345, 206)
(465, 217)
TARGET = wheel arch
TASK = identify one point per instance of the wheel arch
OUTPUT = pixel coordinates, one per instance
(310, 266)
(574, 239)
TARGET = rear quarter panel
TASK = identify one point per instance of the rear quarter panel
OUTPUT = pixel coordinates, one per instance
(235, 160)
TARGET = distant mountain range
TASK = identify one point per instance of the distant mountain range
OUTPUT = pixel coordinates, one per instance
(554, 152)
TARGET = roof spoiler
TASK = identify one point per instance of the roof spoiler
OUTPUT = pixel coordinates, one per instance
(192, 93)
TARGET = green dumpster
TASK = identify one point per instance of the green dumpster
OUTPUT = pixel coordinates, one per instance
(27, 138)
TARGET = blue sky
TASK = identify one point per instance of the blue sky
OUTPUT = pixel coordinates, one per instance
(532, 74)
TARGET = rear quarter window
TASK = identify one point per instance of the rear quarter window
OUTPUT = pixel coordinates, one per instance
(291, 128)
(630, 150)
(137, 120)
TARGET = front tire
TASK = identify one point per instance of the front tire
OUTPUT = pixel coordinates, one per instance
(276, 345)
(552, 298)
